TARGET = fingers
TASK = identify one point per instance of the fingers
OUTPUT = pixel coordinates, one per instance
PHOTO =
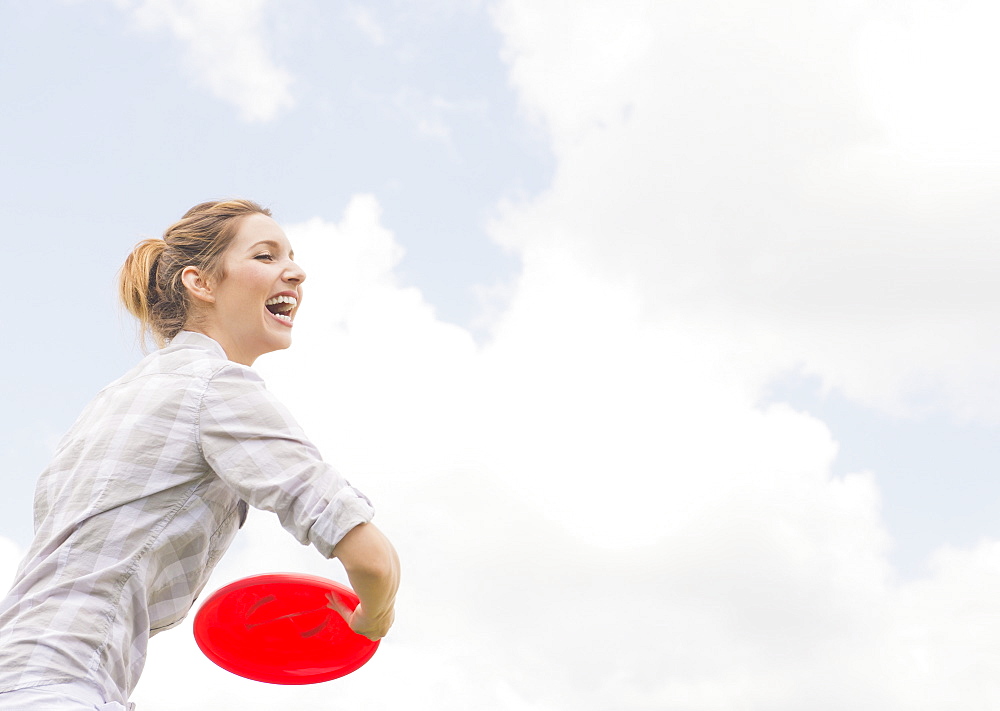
(339, 607)
(372, 628)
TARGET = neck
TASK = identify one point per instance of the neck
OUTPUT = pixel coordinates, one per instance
(232, 352)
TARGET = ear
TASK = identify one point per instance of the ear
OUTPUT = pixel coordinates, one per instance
(197, 285)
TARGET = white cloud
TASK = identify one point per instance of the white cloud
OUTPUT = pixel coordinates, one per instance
(954, 650)
(592, 509)
(731, 164)
(924, 68)
(225, 47)
(366, 21)
(433, 115)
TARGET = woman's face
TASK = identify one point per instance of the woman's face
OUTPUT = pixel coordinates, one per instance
(255, 304)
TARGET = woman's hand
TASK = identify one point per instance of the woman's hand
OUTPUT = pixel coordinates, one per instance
(374, 628)
(373, 568)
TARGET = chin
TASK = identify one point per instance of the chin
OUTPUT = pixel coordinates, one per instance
(280, 344)
(272, 345)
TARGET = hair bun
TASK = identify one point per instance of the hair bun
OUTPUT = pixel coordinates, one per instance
(137, 277)
(151, 288)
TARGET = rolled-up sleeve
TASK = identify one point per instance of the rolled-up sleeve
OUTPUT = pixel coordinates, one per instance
(253, 443)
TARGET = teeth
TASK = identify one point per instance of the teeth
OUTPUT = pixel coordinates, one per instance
(281, 300)
(282, 306)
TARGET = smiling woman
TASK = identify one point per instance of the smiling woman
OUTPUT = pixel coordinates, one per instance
(147, 490)
(175, 283)
(250, 310)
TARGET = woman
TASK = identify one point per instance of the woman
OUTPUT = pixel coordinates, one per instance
(148, 488)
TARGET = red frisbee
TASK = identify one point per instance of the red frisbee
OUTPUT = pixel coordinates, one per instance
(278, 629)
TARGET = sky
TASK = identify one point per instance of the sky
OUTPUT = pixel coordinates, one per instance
(662, 335)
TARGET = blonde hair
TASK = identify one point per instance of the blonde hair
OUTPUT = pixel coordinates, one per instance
(149, 283)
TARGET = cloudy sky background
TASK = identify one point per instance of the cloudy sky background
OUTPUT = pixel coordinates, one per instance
(661, 334)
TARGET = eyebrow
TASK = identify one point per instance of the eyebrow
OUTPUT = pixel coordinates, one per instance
(272, 243)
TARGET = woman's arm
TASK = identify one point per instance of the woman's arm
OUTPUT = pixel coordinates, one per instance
(373, 569)
(255, 445)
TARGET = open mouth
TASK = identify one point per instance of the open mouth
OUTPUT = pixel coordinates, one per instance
(281, 307)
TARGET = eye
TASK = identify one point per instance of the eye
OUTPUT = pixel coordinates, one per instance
(264, 256)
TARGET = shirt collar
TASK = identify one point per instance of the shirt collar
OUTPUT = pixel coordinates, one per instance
(193, 339)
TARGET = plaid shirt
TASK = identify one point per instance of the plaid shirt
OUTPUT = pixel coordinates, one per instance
(143, 496)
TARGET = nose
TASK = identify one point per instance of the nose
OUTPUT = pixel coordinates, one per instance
(295, 273)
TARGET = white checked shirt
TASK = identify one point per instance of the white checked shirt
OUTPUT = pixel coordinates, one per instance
(142, 498)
